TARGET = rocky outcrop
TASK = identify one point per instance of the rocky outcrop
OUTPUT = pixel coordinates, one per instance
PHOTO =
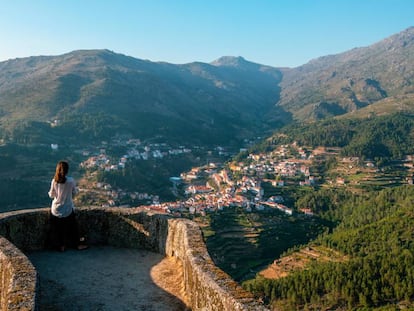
(207, 287)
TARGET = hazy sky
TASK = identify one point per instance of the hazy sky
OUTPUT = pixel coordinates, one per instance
(280, 33)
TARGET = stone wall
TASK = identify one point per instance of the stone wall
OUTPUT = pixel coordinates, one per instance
(208, 287)
(17, 279)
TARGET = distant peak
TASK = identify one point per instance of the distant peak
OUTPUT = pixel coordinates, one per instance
(410, 29)
(407, 33)
(90, 52)
(230, 61)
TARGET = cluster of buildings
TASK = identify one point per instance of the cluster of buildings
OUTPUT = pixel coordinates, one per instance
(102, 161)
(134, 151)
(284, 163)
(212, 188)
(246, 193)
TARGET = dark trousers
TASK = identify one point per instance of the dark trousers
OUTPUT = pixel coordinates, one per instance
(64, 231)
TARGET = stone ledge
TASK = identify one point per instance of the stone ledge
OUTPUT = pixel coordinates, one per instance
(18, 279)
(208, 287)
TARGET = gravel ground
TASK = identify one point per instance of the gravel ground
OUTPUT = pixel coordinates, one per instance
(107, 278)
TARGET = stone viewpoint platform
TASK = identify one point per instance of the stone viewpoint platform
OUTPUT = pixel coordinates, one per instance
(107, 278)
(154, 236)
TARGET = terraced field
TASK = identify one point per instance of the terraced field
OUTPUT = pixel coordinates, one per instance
(242, 243)
(299, 260)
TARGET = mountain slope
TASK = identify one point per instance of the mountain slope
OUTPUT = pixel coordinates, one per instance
(214, 102)
(337, 84)
(98, 93)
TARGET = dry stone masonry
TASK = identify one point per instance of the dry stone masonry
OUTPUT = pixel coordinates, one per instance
(208, 287)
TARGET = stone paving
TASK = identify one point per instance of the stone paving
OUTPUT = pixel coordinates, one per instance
(108, 278)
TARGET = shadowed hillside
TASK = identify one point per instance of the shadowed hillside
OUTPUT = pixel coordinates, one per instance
(98, 93)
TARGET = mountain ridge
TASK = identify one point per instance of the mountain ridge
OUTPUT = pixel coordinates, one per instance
(350, 80)
(230, 98)
(194, 97)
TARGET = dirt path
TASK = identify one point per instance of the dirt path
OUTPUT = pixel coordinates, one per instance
(107, 278)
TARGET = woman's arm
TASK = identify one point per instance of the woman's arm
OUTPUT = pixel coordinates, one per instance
(52, 191)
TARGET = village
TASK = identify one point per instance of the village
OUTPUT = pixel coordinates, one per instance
(215, 186)
(102, 159)
(207, 188)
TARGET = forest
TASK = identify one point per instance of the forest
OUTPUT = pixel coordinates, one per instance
(371, 228)
(381, 138)
(375, 232)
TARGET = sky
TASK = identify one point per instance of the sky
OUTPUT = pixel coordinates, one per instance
(279, 33)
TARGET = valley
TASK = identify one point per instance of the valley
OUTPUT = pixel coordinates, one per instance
(301, 179)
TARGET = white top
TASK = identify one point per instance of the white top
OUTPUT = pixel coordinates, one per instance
(62, 204)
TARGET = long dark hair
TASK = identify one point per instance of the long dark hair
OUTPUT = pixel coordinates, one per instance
(62, 169)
